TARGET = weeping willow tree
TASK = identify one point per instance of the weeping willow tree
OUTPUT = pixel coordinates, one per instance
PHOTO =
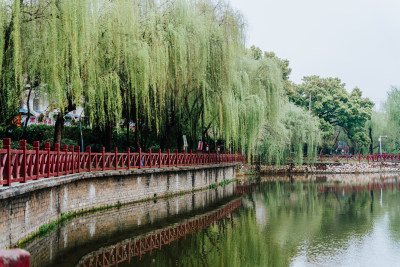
(10, 59)
(174, 67)
(43, 51)
(254, 101)
(296, 134)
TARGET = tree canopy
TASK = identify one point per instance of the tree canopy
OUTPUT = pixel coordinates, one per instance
(174, 67)
(335, 107)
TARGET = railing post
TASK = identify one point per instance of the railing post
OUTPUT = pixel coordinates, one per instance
(71, 149)
(57, 149)
(36, 145)
(169, 158)
(392, 157)
(47, 149)
(150, 159)
(89, 151)
(78, 159)
(103, 157)
(65, 151)
(368, 158)
(7, 169)
(22, 146)
(359, 158)
(128, 154)
(159, 158)
(347, 156)
(191, 158)
(116, 158)
(140, 158)
(176, 154)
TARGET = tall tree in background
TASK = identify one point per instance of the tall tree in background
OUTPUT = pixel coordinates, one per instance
(335, 107)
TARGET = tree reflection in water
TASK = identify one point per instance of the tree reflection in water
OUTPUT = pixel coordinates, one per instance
(283, 222)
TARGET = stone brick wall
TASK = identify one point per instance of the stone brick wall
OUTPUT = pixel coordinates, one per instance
(25, 207)
(334, 168)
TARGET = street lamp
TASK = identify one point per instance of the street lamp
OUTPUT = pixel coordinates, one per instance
(380, 143)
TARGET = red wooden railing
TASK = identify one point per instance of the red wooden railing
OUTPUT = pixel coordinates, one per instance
(22, 165)
(115, 255)
(360, 158)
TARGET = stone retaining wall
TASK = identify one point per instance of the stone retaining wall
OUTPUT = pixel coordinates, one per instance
(334, 168)
(26, 207)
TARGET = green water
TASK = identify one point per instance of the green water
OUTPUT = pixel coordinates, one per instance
(277, 224)
(295, 225)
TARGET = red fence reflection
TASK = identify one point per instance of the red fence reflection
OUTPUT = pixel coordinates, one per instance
(125, 252)
(246, 190)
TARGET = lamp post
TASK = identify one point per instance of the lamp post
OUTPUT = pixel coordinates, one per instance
(380, 143)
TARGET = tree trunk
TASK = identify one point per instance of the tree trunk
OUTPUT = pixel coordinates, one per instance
(137, 135)
(371, 145)
(202, 124)
(127, 132)
(109, 132)
(59, 127)
(28, 116)
(336, 139)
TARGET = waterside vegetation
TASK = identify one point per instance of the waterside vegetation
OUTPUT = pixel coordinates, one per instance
(174, 68)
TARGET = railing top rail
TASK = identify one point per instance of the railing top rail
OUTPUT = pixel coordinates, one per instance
(49, 164)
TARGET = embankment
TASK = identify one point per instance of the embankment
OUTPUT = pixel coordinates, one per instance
(334, 168)
(24, 208)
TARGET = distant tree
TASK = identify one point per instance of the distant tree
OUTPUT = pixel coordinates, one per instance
(388, 124)
(329, 100)
(256, 52)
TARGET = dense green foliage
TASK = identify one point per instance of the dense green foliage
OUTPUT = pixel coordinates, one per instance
(296, 130)
(337, 110)
(174, 68)
(387, 123)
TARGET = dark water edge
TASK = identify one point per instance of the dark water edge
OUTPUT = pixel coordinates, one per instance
(268, 221)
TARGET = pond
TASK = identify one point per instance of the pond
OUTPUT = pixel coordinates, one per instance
(264, 221)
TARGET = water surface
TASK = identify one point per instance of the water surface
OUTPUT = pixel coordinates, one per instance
(272, 221)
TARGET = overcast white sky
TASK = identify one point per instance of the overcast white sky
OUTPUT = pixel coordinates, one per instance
(357, 41)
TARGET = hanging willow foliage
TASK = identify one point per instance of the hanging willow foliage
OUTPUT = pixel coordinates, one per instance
(296, 130)
(172, 66)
